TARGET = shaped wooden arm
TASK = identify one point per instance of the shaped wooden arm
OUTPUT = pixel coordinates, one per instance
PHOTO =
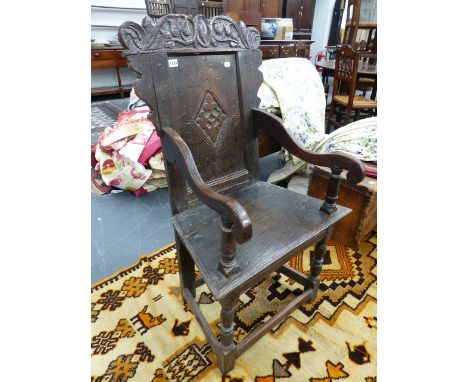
(269, 124)
(232, 213)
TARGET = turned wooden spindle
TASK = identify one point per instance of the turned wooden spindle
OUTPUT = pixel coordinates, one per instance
(329, 205)
(317, 261)
(226, 336)
(227, 325)
(227, 264)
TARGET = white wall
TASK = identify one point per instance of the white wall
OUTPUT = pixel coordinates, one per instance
(112, 18)
(321, 26)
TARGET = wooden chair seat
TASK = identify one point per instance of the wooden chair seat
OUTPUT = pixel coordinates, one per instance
(278, 216)
(365, 84)
(359, 102)
(370, 81)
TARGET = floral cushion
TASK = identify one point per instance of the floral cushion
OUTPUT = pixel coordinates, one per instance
(301, 98)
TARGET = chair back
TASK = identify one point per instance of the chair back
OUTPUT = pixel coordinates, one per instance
(211, 8)
(346, 66)
(158, 8)
(185, 7)
(353, 14)
(200, 77)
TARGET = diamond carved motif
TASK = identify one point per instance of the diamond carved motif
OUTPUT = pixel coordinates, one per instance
(212, 119)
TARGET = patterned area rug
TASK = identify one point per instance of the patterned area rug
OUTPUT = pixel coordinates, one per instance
(141, 331)
(104, 114)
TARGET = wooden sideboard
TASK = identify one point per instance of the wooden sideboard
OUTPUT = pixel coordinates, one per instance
(109, 58)
(113, 58)
(285, 48)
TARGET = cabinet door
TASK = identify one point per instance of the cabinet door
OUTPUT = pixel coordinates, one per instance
(252, 5)
(307, 16)
(271, 8)
(292, 11)
(235, 5)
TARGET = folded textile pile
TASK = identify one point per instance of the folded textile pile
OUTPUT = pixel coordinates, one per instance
(129, 155)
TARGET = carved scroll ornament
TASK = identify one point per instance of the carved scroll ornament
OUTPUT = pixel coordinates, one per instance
(185, 31)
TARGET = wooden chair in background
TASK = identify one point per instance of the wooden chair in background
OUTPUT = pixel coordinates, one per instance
(211, 8)
(200, 82)
(365, 47)
(185, 7)
(344, 88)
(353, 14)
(158, 8)
(354, 25)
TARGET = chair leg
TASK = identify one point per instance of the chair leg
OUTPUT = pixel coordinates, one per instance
(347, 116)
(227, 356)
(356, 114)
(339, 115)
(330, 115)
(186, 268)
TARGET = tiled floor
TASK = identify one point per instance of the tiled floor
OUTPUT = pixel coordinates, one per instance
(125, 227)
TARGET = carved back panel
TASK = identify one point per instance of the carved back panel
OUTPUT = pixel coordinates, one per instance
(200, 77)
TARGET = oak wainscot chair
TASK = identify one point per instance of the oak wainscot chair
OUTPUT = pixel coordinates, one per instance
(200, 79)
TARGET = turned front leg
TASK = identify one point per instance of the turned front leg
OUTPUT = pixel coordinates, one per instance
(316, 261)
(227, 264)
(329, 206)
(226, 359)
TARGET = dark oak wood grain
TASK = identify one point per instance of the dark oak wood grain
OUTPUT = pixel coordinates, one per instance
(200, 79)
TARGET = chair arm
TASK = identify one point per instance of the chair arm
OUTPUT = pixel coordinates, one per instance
(230, 210)
(269, 124)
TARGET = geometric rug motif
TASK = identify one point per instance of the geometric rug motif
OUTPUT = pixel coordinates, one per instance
(104, 115)
(141, 330)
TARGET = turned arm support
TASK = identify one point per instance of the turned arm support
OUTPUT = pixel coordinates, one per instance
(268, 124)
(233, 215)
